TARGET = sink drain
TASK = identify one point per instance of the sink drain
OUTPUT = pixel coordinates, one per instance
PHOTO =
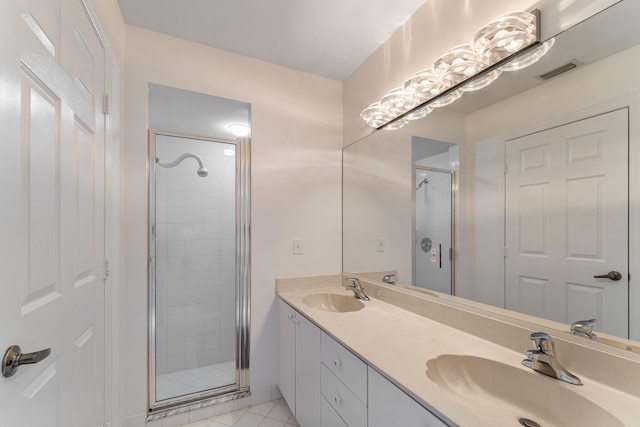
(526, 422)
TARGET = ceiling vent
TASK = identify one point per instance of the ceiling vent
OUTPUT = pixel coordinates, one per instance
(574, 63)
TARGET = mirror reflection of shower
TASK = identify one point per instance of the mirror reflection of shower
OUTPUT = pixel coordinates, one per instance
(202, 171)
(433, 228)
(423, 182)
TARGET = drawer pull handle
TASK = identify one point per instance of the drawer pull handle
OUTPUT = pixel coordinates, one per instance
(338, 400)
(337, 363)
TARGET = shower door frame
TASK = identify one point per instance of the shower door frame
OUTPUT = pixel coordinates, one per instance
(454, 196)
(180, 404)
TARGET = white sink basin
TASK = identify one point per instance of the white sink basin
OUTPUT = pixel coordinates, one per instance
(496, 391)
(333, 302)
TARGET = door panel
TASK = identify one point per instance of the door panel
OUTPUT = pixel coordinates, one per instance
(52, 250)
(40, 205)
(567, 221)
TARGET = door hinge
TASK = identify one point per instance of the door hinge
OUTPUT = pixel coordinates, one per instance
(106, 105)
(506, 168)
(505, 252)
(107, 272)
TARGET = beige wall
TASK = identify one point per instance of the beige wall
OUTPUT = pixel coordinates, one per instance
(295, 175)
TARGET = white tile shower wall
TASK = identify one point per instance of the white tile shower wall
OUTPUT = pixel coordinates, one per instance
(195, 264)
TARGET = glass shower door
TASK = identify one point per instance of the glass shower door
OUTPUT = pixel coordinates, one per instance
(195, 296)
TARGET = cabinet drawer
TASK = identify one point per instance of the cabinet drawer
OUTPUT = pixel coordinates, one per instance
(389, 406)
(329, 417)
(343, 401)
(347, 367)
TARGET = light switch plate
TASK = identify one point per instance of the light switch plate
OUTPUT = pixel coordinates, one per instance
(297, 246)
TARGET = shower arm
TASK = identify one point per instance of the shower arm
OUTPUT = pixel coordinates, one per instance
(202, 171)
(177, 161)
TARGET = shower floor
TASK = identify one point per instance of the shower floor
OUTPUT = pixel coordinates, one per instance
(195, 380)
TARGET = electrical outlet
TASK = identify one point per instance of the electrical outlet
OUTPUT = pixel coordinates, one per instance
(380, 245)
(297, 246)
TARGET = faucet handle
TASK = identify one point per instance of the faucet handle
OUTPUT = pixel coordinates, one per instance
(584, 328)
(543, 342)
(354, 280)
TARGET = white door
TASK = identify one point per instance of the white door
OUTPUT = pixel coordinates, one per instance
(567, 221)
(52, 212)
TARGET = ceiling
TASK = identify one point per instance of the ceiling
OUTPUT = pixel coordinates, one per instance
(329, 38)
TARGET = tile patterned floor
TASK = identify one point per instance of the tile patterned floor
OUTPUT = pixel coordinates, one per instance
(270, 414)
(194, 380)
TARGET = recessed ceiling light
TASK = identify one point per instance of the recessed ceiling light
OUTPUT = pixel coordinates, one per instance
(239, 129)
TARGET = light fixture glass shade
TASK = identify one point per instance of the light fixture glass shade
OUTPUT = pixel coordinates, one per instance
(396, 124)
(397, 101)
(419, 113)
(529, 58)
(458, 64)
(424, 85)
(481, 82)
(505, 35)
(449, 98)
(375, 115)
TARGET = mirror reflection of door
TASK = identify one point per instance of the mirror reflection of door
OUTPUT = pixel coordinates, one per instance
(567, 221)
(434, 179)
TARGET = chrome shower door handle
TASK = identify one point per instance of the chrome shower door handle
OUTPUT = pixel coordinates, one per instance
(612, 275)
(14, 358)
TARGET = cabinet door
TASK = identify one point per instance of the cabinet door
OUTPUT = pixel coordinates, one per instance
(307, 373)
(287, 354)
(390, 406)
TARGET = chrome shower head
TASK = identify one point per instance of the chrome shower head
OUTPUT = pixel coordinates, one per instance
(202, 171)
(424, 181)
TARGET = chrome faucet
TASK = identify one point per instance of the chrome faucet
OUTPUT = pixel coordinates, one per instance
(584, 329)
(388, 279)
(356, 287)
(544, 359)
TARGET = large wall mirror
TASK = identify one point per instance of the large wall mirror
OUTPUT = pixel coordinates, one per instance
(540, 195)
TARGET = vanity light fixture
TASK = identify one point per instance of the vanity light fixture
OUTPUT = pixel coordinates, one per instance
(508, 43)
(529, 58)
(239, 129)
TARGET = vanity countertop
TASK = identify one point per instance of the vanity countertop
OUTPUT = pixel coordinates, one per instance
(398, 344)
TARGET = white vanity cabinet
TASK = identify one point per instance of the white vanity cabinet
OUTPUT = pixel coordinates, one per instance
(326, 385)
(389, 406)
(299, 365)
(344, 384)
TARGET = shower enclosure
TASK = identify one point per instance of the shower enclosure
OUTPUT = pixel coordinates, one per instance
(198, 270)
(433, 228)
